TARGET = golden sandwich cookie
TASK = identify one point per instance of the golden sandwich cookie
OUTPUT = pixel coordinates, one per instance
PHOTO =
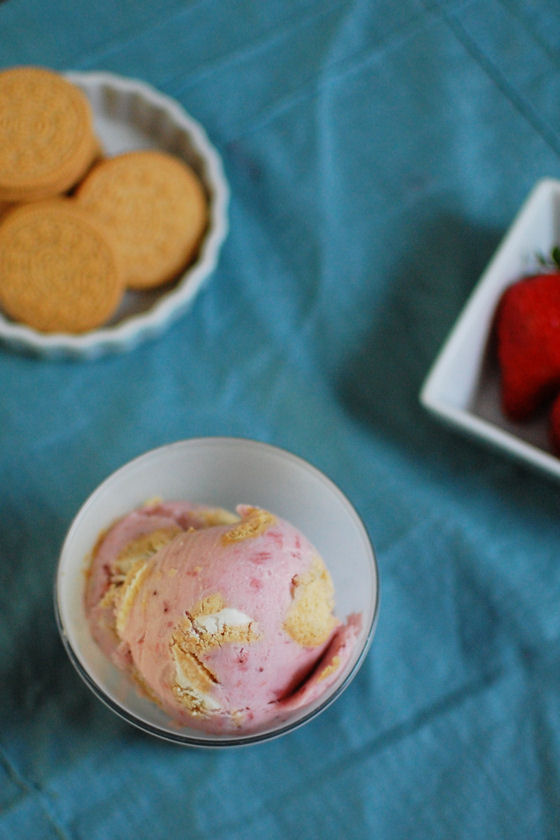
(47, 141)
(157, 207)
(59, 268)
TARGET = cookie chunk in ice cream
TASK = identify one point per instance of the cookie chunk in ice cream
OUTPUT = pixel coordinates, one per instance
(226, 621)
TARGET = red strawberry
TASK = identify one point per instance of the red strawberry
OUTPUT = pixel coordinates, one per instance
(528, 333)
(554, 425)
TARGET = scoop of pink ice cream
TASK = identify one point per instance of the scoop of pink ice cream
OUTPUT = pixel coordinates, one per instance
(136, 536)
(228, 625)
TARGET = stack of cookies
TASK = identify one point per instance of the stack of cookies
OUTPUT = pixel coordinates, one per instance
(78, 229)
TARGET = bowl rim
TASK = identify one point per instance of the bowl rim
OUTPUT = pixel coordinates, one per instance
(220, 741)
(137, 327)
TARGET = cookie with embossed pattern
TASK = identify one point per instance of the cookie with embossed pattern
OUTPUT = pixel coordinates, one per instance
(156, 205)
(59, 267)
(47, 140)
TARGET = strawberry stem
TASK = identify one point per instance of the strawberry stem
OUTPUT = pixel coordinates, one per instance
(552, 262)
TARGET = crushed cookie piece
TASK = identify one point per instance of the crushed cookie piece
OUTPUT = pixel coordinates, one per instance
(310, 619)
(128, 592)
(255, 522)
(330, 668)
(144, 547)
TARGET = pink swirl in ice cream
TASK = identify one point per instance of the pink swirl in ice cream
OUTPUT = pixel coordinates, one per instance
(226, 621)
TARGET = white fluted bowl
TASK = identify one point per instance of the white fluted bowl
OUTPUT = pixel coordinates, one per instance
(130, 114)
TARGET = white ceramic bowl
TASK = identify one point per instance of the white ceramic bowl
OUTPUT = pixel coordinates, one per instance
(463, 387)
(224, 472)
(129, 114)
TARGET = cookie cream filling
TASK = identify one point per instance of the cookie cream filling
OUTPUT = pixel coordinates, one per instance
(198, 701)
(216, 623)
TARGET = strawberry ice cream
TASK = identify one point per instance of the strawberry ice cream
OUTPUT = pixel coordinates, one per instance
(227, 622)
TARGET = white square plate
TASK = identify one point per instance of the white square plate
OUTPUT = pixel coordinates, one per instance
(462, 387)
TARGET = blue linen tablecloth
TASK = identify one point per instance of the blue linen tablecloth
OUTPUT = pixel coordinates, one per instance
(376, 153)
